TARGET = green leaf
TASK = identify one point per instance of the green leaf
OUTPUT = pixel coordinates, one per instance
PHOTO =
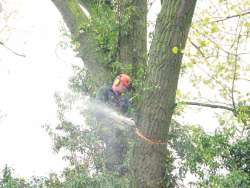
(206, 20)
(203, 43)
(214, 28)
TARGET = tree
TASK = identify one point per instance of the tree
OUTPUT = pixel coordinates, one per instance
(160, 84)
(214, 60)
(204, 155)
(157, 100)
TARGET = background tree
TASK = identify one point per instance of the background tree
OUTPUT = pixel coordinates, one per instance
(215, 60)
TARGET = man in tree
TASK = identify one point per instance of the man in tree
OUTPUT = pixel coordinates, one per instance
(157, 101)
(114, 138)
(115, 96)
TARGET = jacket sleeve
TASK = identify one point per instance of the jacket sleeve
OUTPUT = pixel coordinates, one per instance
(101, 94)
(124, 104)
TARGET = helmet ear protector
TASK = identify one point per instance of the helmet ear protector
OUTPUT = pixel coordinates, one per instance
(117, 80)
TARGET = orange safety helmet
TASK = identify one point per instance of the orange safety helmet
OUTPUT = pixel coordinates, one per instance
(122, 78)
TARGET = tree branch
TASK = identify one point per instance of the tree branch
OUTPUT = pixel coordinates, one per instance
(235, 65)
(198, 48)
(75, 19)
(232, 16)
(209, 105)
(214, 42)
(206, 59)
(22, 55)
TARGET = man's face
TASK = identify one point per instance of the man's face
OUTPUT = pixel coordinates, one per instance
(121, 88)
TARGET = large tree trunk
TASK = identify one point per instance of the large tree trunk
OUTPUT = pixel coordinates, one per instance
(75, 18)
(158, 98)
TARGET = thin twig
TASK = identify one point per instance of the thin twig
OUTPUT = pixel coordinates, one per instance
(206, 58)
(209, 105)
(215, 43)
(232, 16)
(22, 55)
(235, 65)
(197, 47)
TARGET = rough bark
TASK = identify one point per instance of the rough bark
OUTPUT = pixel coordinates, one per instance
(158, 98)
(139, 35)
(133, 38)
(74, 18)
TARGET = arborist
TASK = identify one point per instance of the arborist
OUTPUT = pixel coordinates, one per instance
(116, 96)
(115, 139)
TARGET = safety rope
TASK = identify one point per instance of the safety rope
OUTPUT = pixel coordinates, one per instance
(146, 138)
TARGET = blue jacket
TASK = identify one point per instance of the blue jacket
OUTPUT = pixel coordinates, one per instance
(118, 102)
